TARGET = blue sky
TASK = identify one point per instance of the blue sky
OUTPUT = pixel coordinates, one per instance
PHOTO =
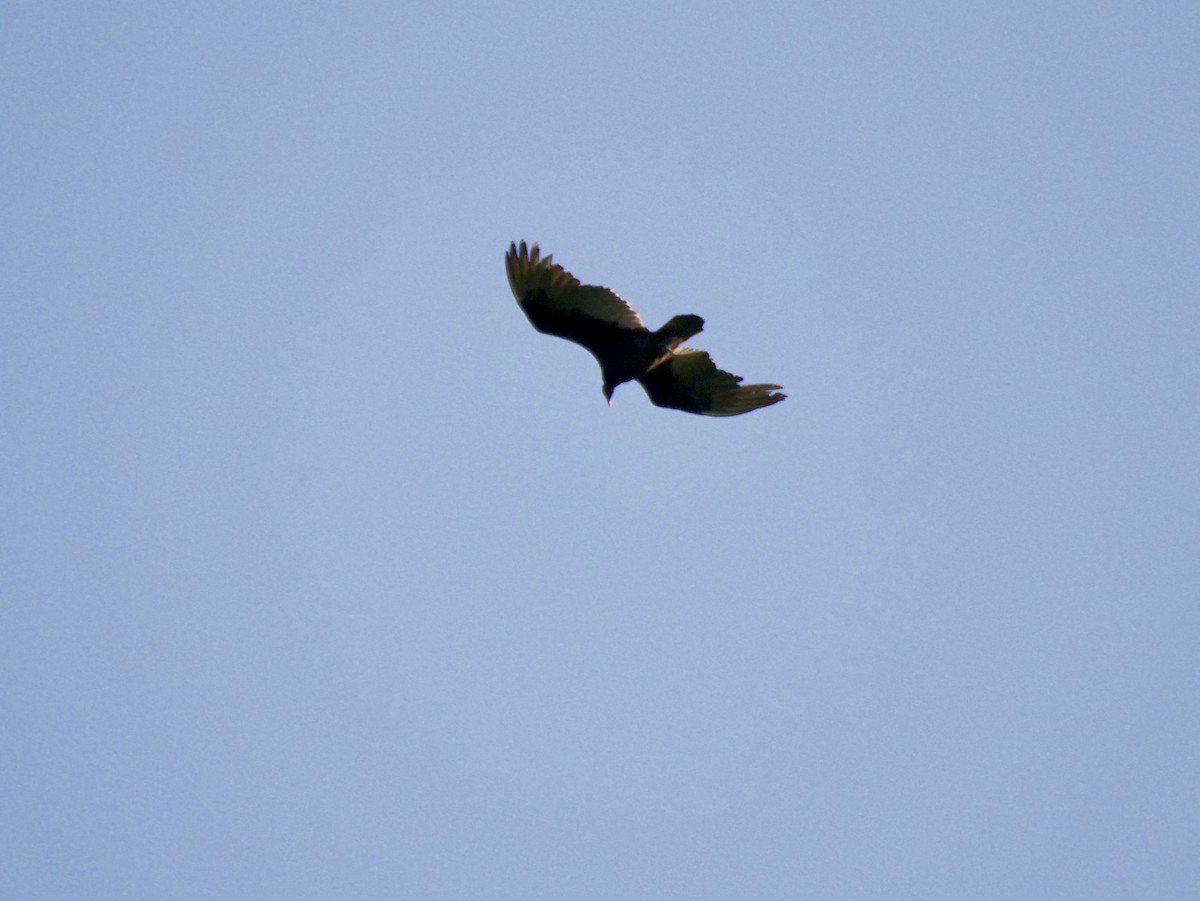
(324, 575)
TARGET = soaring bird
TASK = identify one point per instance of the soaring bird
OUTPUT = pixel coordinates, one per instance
(681, 378)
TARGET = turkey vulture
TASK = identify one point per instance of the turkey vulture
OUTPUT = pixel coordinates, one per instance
(681, 378)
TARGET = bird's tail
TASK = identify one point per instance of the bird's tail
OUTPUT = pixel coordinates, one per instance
(679, 328)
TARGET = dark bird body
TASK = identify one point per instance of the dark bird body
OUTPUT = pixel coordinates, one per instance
(680, 378)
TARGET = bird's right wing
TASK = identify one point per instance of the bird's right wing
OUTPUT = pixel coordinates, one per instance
(689, 380)
(557, 304)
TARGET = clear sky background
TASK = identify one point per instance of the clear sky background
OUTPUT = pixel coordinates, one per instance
(325, 576)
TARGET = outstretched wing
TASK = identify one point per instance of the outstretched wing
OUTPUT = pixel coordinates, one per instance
(557, 304)
(689, 380)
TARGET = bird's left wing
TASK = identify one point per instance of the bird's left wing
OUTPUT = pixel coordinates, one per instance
(555, 301)
(689, 380)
